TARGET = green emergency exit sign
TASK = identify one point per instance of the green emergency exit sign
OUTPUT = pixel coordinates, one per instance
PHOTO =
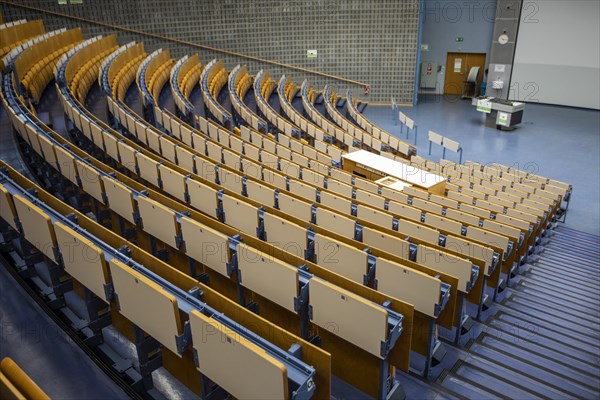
(460, 38)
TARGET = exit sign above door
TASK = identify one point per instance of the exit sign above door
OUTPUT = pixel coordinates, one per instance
(460, 38)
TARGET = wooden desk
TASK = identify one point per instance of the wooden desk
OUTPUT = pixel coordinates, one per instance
(375, 167)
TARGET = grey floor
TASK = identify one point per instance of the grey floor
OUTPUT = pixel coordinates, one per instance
(44, 351)
(558, 142)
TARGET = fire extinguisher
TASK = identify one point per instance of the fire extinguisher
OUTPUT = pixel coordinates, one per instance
(367, 89)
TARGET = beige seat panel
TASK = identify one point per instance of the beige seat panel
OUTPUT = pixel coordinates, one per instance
(120, 198)
(7, 207)
(91, 181)
(339, 188)
(336, 202)
(82, 259)
(36, 225)
(66, 162)
(137, 295)
(488, 238)
(385, 242)
(405, 211)
(468, 249)
(202, 197)
(268, 276)
(427, 206)
(446, 263)
(335, 222)
(158, 221)
(298, 208)
(341, 258)
(409, 285)
(275, 179)
(185, 159)
(260, 193)
(371, 199)
(206, 169)
(301, 189)
(173, 182)
(375, 216)
(206, 245)
(285, 235)
(231, 180)
(127, 155)
(251, 169)
(394, 195)
(225, 358)
(443, 224)
(418, 231)
(463, 217)
(240, 215)
(355, 319)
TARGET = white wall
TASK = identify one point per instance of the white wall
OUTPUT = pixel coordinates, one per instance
(557, 58)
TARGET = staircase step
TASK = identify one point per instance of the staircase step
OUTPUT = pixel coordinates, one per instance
(507, 386)
(568, 349)
(554, 329)
(540, 275)
(579, 251)
(567, 270)
(525, 347)
(547, 336)
(565, 249)
(566, 293)
(522, 304)
(547, 303)
(562, 386)
(577, 236)
(465, 388)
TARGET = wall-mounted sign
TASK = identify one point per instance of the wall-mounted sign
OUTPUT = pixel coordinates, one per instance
(460, 38)
(62, 2)
(499, 68)
(502, 119)
(424, 46)
(311, 53)
(457, 64)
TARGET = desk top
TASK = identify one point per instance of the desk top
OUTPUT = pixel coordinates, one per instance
(501, 104)
(407, 173)
(392, 183)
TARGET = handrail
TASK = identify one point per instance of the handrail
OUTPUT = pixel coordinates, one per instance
(185, 42)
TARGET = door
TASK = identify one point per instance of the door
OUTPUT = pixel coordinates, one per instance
(458, 66)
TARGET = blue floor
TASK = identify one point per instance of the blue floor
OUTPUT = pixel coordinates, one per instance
(558, 142)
